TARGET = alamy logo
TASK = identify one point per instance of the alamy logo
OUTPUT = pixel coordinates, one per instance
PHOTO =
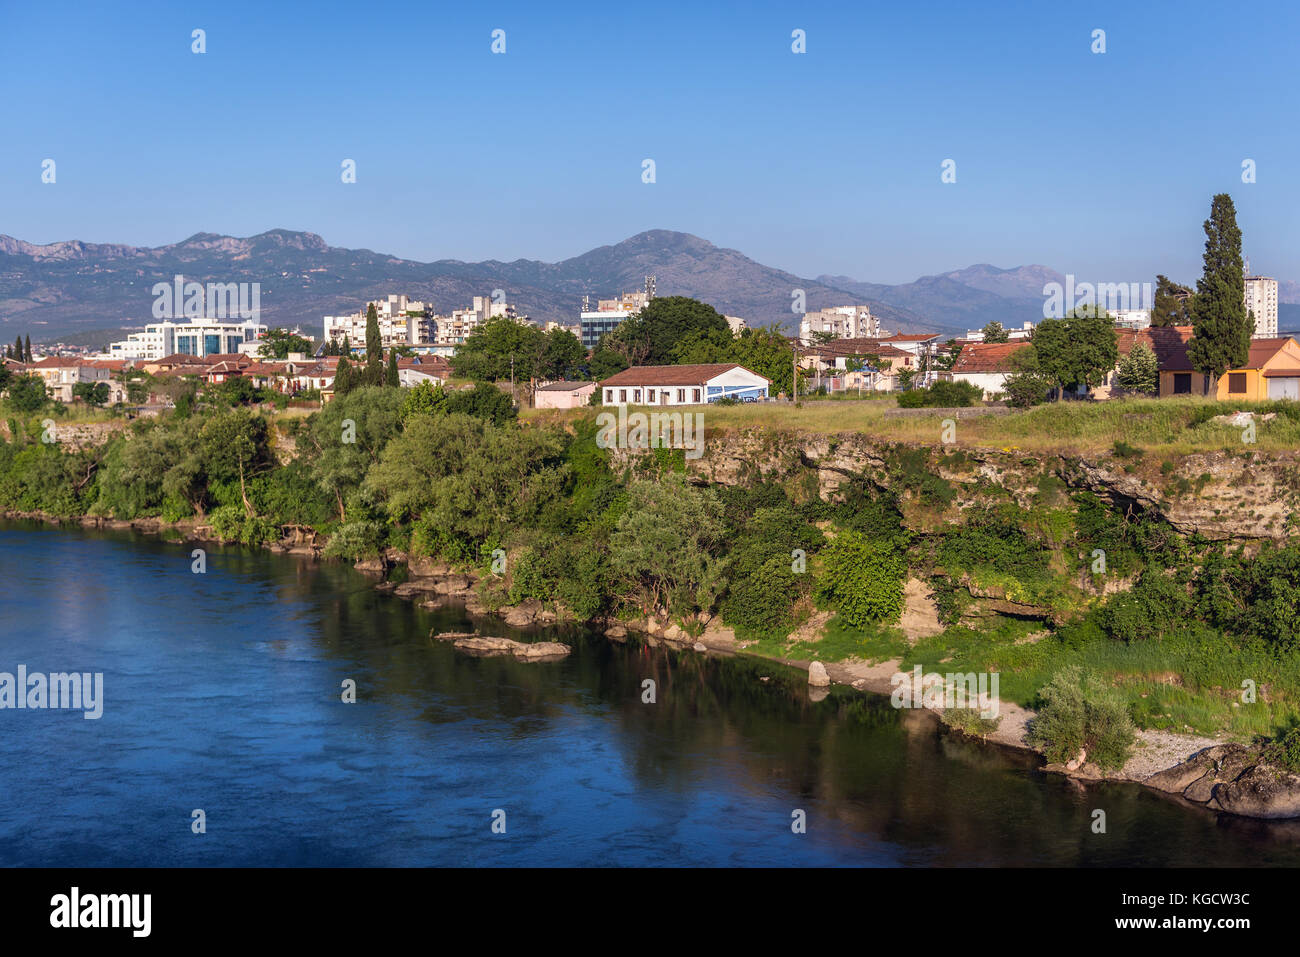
(921, 689)
(1112, 296)
(132, 911)
(217, 300)
(74, 691)
(667, 430)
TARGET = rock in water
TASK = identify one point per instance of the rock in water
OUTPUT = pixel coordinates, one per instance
(817, 676)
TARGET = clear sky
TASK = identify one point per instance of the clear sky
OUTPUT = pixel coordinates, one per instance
(824, 162)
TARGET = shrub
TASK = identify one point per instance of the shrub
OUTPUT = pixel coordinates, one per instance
(969, 721)
(863, 580)
(1284, 751)
(355, 540)
(1080, 712)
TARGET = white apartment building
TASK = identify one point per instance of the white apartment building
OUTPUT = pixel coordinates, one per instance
(842, 322)
(977, 335)
(1261, 299)
(402, 322)
(1131, 318)
(197, 337)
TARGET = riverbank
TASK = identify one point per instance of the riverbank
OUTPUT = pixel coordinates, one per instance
(1164, 761)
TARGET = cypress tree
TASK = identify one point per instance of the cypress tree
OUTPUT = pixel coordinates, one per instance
(29, 343)
(344, 379)
(1221, 326)
(374, 349)
(392, 379)
(18, 348)
(346, 348)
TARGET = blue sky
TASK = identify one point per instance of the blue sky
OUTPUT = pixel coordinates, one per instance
(1098, 164)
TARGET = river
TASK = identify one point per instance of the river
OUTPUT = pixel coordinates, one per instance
(223, 692)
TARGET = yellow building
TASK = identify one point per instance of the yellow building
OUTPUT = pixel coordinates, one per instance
(1272, 370)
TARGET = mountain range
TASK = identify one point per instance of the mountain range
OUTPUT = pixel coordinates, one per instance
(81, 292)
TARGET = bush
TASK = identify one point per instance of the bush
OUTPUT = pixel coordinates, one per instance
(355, 540)
(1284, 751)
(969, 721)
(863, 580)
(1080, 712)
(945, 395)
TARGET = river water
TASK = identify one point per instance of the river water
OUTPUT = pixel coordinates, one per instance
(222, 692)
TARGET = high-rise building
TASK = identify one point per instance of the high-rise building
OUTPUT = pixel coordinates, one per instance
(1261, 299)
(610, 312)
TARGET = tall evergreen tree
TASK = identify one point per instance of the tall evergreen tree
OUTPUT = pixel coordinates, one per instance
(346, 348)
(392, 378)
(344, 377)
(374, 374)
(29, 346)
(18, 348)
(1221, 326)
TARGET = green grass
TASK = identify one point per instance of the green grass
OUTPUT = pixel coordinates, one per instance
(1185, 683)
(1169, 427)
(839, 642)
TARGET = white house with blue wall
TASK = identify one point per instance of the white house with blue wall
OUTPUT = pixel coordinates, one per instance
(683, 385)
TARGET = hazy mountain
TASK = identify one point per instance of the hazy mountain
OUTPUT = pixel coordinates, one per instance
(69, 289)
(965, 298)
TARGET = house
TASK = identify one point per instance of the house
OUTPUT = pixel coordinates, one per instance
(835, 357)
(1272, 370)
(61, 374)
(563, 395)
(683, 385)
(986, 364)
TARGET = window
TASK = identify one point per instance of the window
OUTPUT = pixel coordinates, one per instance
(650, 397)
(636, 395)
(681, 395)
(1237, 383)
(1182, 383)
(622, 395)
(609, 396)
(695, 395)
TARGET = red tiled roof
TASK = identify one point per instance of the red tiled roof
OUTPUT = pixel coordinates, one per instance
(671, 375)
(857, 347)
(978, 357)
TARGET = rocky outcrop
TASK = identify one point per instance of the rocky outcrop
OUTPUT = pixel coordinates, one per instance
(1263, 791)
(484, 647)
(817, 676)
(1232, 778)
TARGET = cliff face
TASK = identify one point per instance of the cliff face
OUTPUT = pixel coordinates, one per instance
(1223, 496)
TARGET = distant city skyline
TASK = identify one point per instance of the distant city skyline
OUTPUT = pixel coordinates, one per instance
(824, 162)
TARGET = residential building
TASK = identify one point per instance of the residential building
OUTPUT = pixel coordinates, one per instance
(1261, 299)
(62, 374)
(683, 385)
(1271, 371)
(563, 395)
(986, 364)
(402, 322)
(879, 362)
(736, 324)
(196, 337)
(1131, 318)
(842, 322)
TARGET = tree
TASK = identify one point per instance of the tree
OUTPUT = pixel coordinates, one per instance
(1081, 712)
(484, 401)
(425, 399)
(18, 349)
(27, 393)
(391, 377)
(29, 347)
(703, 346)
(1077, 350)
(342, 453)
(605, 363)
(278, 343)
(346, 348)
(1221, 325)
(993, 332)
(1027, 385)
(345, 377)
(863, 579)
(667, 547)
(561, 357)
(1139, 371)
(92, 393)
(502, 348)
(1173, 303)
(765, 351)
(374, 372)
